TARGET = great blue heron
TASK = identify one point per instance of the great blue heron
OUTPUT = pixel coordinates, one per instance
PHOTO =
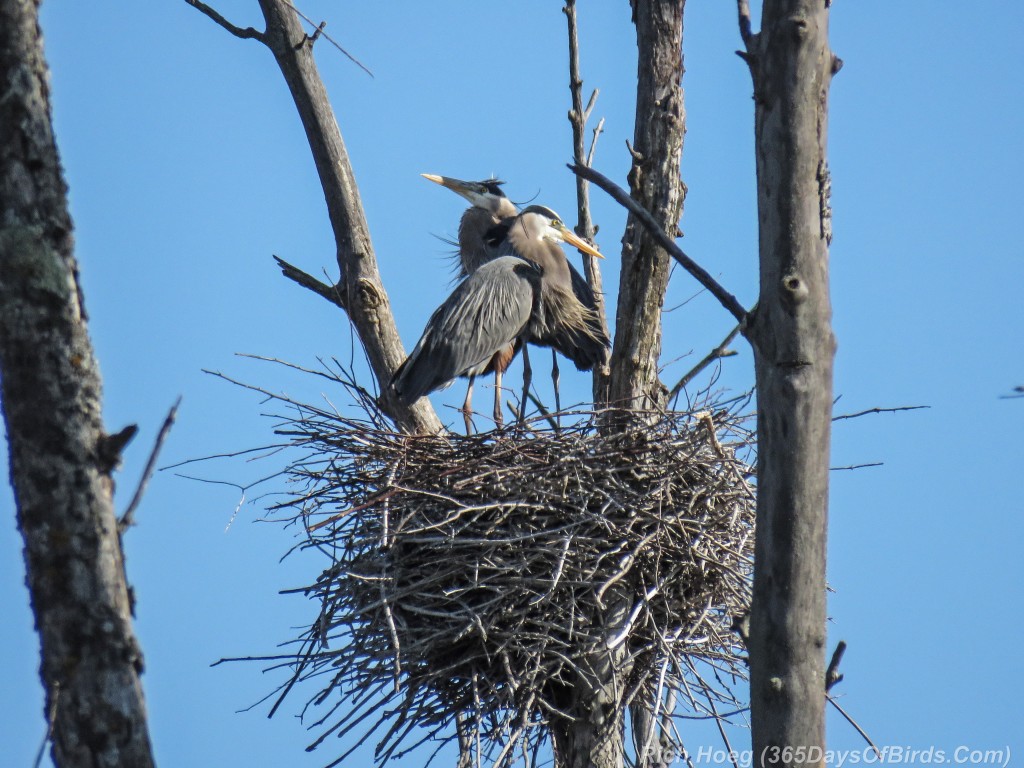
(524, 294)
(482, 232)
(488, 208)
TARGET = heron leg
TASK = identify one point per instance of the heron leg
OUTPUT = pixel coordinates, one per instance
(498, 419)
(555, 378)
(527, 380)
(467, 410)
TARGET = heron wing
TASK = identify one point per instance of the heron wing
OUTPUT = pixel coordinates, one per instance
(487, 311)
(567, 321)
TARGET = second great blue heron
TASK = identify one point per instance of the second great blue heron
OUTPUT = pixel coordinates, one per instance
(488, 208)
(483, 230)
(525, 294)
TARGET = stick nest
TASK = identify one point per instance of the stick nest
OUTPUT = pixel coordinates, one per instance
(476, 582)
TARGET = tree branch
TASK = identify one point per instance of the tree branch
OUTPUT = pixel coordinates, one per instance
(598, 129)
(855, 725)
(361, 289)
(584, 225)
(333, 293)
(832, 675)
(360, 292)
(128, 518)
(743, 9)
(879, 410)
(725, 298)
(715, 354)
(246, 33)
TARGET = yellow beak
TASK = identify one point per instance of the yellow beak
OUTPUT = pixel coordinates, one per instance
(462, 188)
(578, 242)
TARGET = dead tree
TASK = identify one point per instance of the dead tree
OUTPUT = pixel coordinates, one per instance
(655, 183)
(592, 735)
(359, 291)
(61, 459)
(790, 331)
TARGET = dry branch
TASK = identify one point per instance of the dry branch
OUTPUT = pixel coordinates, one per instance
(578, 117)
(359, 290)
(700, 274)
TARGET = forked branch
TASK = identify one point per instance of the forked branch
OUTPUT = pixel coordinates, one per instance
(701, 275)
(360, 291)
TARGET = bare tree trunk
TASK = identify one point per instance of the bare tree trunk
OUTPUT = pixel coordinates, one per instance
(61, 460)
(794, 347)
(655, 183)
(366, 301)
(594, 737)
(360, 291)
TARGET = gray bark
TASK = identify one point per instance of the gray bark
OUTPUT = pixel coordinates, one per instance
(365, 299)
(585, 228)
(594, 737)
(61, 460)
(794, 347)
(655, 183)
(359, 291)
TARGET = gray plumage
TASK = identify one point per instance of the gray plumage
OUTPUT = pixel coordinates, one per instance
(485, 313)
(568, 320)
(525, 293)
(490, 208)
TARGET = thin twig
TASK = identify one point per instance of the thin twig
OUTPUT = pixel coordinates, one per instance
(598, 130)
(1018, 393)
(856, 727)
(578, 116)
(725, 298)
(591, 102)
(857, 466)
(879, 410)
(544, 412)
(246, 33)
(51, 717)
(718, 352)
(128, 518)
(320, 32)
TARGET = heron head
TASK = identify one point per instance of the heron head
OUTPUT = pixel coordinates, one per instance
(551, 228)
(485, 194)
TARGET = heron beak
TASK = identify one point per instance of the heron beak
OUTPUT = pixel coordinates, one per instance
(459, 187)
(578, 242)
(436, 179)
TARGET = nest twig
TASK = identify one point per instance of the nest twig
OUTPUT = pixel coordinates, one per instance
(470, 579)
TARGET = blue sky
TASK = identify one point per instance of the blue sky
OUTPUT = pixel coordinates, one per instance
(188, 170)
